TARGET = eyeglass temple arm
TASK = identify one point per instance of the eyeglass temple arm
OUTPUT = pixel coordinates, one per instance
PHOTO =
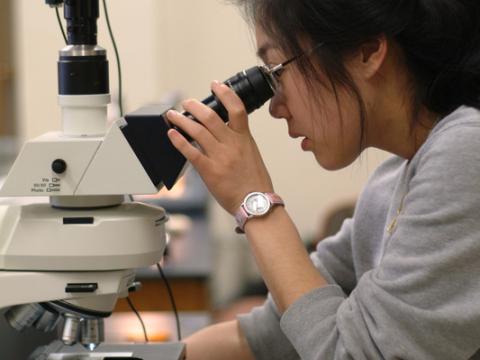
(285, 63)
(279, 67)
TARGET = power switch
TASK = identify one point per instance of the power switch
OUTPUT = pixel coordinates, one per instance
(59, 166)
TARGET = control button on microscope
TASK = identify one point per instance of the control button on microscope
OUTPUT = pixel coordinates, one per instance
(59, 166)
(81, 288)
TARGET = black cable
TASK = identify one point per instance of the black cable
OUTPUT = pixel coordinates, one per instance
(139, 318)
(61, 25)
(172, 301)
(117, 57)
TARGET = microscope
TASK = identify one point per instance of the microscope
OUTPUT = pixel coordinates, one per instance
(66, 262)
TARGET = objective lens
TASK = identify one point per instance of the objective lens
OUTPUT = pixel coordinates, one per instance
(71, 329)
(21, 317)
(92, 333)
(47, 322)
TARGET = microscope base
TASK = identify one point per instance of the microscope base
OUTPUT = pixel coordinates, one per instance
(163, 351)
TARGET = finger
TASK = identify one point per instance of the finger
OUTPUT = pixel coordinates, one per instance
(208, 117)
(195, 130)
(191, 153)
(237, 114)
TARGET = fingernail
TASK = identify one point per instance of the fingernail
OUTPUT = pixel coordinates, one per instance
(172, 113)
(216, 83)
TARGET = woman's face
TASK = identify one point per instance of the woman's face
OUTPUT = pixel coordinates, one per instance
(329, 126)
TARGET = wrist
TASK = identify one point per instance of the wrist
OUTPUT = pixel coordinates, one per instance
(256, 205)
(274, 217)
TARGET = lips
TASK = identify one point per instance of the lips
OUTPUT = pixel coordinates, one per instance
(293, 133)
(306, 144)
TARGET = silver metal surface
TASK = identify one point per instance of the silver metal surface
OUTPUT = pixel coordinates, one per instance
(273, 69)
(93, 333)
(21, 317)
(91, 356)
(164, 351)
(71, 329)
(47, 322)
(82, 50)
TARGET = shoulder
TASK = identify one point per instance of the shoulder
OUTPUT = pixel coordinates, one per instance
(453, 144)
(446, 170)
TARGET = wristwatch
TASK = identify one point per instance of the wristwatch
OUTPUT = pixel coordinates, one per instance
(255, 204)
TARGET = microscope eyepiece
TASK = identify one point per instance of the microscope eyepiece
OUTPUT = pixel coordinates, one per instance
(81, 16)
(254, 87)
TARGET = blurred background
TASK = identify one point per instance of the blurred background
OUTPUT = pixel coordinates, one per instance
(171, 50)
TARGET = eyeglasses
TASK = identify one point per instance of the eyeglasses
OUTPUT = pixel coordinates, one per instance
(276, 71)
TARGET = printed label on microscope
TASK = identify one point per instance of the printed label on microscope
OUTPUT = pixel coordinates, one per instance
(47, 185)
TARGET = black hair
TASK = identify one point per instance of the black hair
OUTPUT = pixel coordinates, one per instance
(440, 41)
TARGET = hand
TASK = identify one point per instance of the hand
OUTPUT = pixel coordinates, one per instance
(228, 159)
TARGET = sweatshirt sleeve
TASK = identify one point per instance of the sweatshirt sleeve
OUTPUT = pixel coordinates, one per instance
(333, 258)
(267, 341)
(422, 301)
(262, 326)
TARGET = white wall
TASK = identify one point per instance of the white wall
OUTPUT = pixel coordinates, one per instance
(182, 44)
(38, 40)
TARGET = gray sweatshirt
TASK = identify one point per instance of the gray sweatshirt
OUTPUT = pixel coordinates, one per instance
(404, 273)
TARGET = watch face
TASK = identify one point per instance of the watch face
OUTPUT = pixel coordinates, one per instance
(257, 204)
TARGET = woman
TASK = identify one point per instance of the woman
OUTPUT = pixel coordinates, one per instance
(399, 281)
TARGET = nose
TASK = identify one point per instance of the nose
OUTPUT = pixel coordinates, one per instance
(278, 108)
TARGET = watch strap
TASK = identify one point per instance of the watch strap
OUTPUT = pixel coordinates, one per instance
(242, 216)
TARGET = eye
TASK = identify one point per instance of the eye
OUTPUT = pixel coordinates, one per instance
(274, 73)
(278, 73)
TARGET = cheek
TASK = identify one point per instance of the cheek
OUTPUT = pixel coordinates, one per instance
(337, 131)
(298, 100)
(331, 122)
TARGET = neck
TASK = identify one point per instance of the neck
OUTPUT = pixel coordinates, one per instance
(402, 133)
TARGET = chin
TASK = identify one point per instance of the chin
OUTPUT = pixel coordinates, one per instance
(333, 163)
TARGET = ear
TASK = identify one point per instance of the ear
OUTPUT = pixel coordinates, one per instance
(370, 57)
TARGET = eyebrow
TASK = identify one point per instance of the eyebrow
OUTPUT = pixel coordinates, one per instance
(262, 50)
